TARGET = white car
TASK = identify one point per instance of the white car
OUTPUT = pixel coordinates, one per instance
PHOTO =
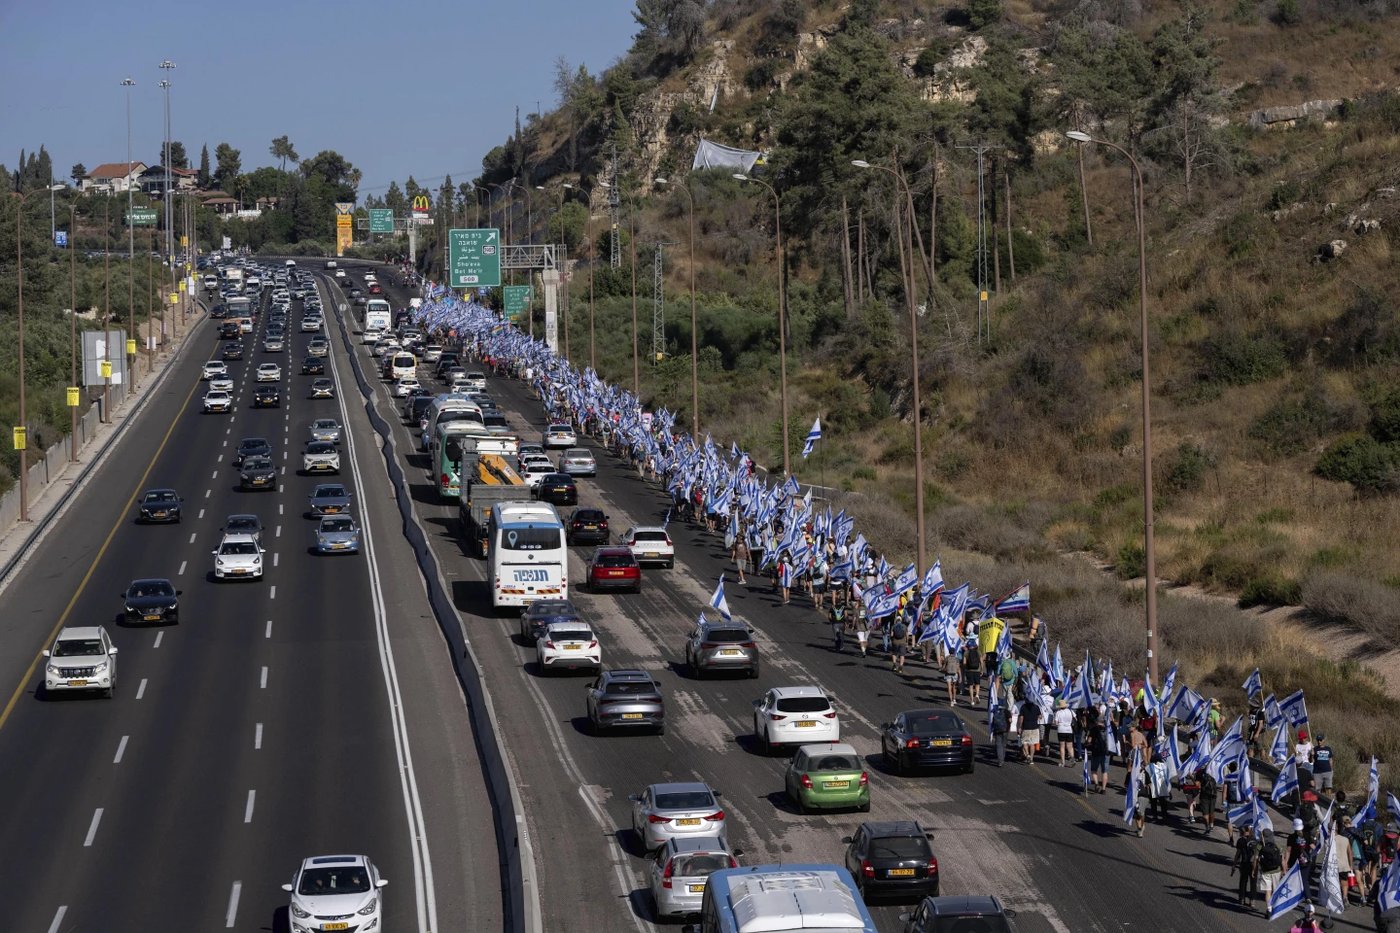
(432, 353)
(568, 646)
(651, 544)
(560, 435)
(371, 337)
(340, 273)
(238, 557)
(476, 381)
(405, 386)
(269, 372)
(214, 368)
(320, 457)
(535, 471)
(385, 345)
(221, 384)
(218, 401)
(82, 658)
(311, 324)
(794, 716)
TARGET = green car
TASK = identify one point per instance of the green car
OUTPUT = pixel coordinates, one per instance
(829, 776)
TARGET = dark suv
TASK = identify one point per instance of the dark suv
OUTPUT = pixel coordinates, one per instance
(543, 612)
(892, 857)
(267, 396)
(942, 914)
(587, 526)
(721, 646)
(626, 699)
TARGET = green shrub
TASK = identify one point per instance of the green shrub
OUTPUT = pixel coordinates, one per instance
(1288, 13)
(762, 73)
(981, 13)
(1293, 425)
(1270, 589)
(1370, 466)
(1186, 472)
(865, 473)
(1371, 607)
(1385, 416)
(1283, 195)
(1115, 495)
(1237, 357)
(1131, 561)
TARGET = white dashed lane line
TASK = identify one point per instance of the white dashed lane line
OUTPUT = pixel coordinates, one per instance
(181, 571)
(195, 534)
(232, 914)
(274, 558)
(215, 474)
(257, 737)
(207, 493)
(248, 807)
(201, 513)
(58, 919)
(269, 628)
(272, 591)
(92, 827)
(279, 531)
(121, 750)
(141, 689)
(159, 636)
(262, 684)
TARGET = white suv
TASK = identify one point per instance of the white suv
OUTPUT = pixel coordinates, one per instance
(650, 544)
(239, 557)
(794, 716)
(568, 645)
(82, 658)
(214, 368)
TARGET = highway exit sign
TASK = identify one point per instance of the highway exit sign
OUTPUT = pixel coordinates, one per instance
(474, 258)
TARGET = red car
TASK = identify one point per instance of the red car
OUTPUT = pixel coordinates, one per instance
(614, 568)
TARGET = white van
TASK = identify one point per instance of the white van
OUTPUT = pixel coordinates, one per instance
(402, 364)
(378, 315)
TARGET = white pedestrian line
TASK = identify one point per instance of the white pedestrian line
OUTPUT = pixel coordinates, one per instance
(58, 919)
(248, 808)
(269, 628)
(92, 828)
(232, 914)
(141, 689)
(263, 684)
(159, 636)
(257, 737)
(121, 750)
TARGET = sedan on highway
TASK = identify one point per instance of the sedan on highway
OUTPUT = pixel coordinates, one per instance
(218, 402)
(406, 386)
(232, 351)
(313, 366)
(257, 473)
(535, 471)
(221, 384)
(230, 329)
(244, 524)
(651, 544)
(267, 396)
(717, 645)
(310, 324)
(274, 342)
(613, 568)
(578, 461)
(269, 372)
(527, 451)
(337, 534)
(251, 447)
(893, 858)
(677, 810)
(926, 738)
(329, 499)
(568, 646)
(322, 388)
(539, 614)
(960, 912)
(158, 505)
(151, 600)
(319, 346)
(794, 716)
(82, 658)
(213, 368)
(557, 489)
(586, 526)
(559, 435)
(320, 457)
(681, 870)
(238, 557)
(827, 777)
(325, 429)
(336, 892)
(625, 699)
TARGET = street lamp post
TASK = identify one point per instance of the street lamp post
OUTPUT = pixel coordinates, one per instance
(107, 304)
(592, 349)
(73, 325)
(19, 295)
(166, 207)
(782, 313)
(1148, 544)
(694, 355)
(130, 231)
(907, 272)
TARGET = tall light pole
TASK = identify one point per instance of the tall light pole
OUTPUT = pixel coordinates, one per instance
(167, 66)
(130, 232)
(1148, 543)
(23, 421)
(907, 271)
(782, 312)
(73, 325)
(592, 348)
(694, 356)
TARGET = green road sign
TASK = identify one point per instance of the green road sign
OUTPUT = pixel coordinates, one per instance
(142, 217)
(474, 258)
(515, 300)
(381, 220)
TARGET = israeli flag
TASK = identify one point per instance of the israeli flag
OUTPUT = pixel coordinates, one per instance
(1042, 657)
(907, 579)
(1253, 685)
(1168, 686)
(1004, 644)
(1287, 780)
(1331, 886)
(1150, 703)
(1018, 601)
(1241, 814)
(1290, 891)
(1373, 780)
(1057, 667)
(1083, 696)
(717, 601)
(1393, 805)
(1086, 774)
(1278, 751)
(1365, 815)
(1295, 709)
(1111, 735)
(1173, 755)
(792, 487)
(1389, 895)
(814, 435)
(1130, 801)
(933, 580)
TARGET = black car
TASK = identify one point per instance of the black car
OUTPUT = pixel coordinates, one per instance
(926, 738)
(557, 488)
(229, 330)
(983, 913)
(257, 473)
(449, 359)
(543, 612)
(267, 396)
(159, 505)
(415, 405)
(251, 447)
(313, 366)
(587, 526)
(233, 351)
(152, 600)
(892, 857)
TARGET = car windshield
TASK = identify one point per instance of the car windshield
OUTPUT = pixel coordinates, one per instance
(158, 588)
(337, 524)
(332, 881)
(320, 447)
(77, 648)
(572, 634)
(900, 847)
(932, 724)
(325, 425)
(803, 705)
(699, 865)
(649, 536)
(238, 547)
(330, 492)
(530, 538)
(588, 515)
(629, 688)
(257, 463)
(971, 925)
(252, 443)
(686, 800)
(834, 763)
(241, 526)
(160, 496)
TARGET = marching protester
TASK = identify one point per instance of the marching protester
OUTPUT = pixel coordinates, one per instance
(1246, 866)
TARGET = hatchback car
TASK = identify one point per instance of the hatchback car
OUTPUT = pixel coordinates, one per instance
(238, 557)
(794, 716)
(320, 457)
(313, 366)
(218, 402)
(926, 738)
(539, 614)
(716, 645)
(677, 810)
(559, 435)
(613, 568)
(625, 699)
(827, 776)
(251, 447)
(269, 372)
(159, 505)
(151, 600)
(337, 534)
(257, 473)
(892, 858)
(568, 646)
(329, 499)
(229, 330)
(213, 368)
(535, 471)
(244, 524)
(983, 913)
(680, 871)
(587, 526)
(578, 461)
(527, 451)
(325, 429)
(232, 351)
(476, 381)
(267, 396)
(336, 892)
(82, 658)
(557, 489)
(406, 386)
(322, 388)
(651, 544)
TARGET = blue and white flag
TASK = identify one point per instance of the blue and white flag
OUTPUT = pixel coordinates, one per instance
(1241, 814)
(1057, 667)
(1086, 774)
(1229, 747)
(1295, 709)
(718, 601)
(1278, 751)
(1130, 801)
(1150, 703)
(1393, 805)
(1273, 716)
(1083, 696)
(1388, 897)
(1287, 780)
(1373, 789)
(792, 487)
(1330, 886)
(908, 578)
(933, 580)
(814, 435)
(1019, 600)
(1184, 705)
(1198, 757)
(1042, 658)
(1290, 891)
(1005, 648)
(1253, 685)
(1168, 685)
(1173, 755)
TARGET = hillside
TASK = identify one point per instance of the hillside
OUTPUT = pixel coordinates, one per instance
(1275, 344)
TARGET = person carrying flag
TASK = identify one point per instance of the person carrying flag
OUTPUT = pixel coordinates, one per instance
(1246, 864)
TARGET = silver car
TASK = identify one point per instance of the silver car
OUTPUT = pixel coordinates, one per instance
(627, 699)
(577, 461)
(337, 534)
(668, 811)
(681, 870)
(716, 645)
(329, 499)
(325, 429)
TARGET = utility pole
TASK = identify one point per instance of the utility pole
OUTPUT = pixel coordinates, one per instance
(130, 233)
(658, 303)
(984, 310)
(615, 212)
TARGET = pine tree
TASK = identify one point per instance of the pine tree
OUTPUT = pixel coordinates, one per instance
(205, 176)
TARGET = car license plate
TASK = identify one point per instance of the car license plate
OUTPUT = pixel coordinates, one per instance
(572, 647)
(160, 515)
(900, 873)
(590, 527)
(239, 571)
(688, 822)
(805, 724)
(152, 618)
(730, 652)
(941, 743)
(77, 683)
(341, 925)
(650, 554)
(695, 888)
(332, 508)
(631, 715)
(836, 785)
(338, 544)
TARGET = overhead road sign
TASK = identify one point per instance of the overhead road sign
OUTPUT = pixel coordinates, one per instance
(142, 217)
(381, 220)
(474, 258)
(515, 301)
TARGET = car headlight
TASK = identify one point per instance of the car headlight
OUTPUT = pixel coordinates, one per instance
(368, 909)
(257, 561)
(299, 913)
(100, 667)
(52, 669)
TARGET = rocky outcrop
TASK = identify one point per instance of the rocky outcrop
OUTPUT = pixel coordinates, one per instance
(1276, 117)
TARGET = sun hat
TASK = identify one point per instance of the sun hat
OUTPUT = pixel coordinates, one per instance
(1214, 701)
(1297, 825)
(1061, 704)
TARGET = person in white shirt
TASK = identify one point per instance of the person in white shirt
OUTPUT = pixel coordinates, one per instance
(1064, 729)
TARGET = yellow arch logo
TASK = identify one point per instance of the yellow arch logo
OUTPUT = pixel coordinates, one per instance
(421, 205)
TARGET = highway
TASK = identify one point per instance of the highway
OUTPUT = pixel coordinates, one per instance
(312, 712)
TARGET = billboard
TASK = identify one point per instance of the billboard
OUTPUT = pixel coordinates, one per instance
(96, 345)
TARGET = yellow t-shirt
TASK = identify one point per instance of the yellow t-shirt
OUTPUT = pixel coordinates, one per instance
(990, 634)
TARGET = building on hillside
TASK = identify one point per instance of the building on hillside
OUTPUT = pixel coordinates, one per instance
(112, 177)
(220, 203)
(152, 180)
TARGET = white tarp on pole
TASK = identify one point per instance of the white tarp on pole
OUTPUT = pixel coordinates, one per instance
(713, 155)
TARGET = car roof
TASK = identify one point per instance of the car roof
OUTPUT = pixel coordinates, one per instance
(80, 631)
(239, 539)
(806, 690)
(252, 440)
(242, 516)
(687, 845)
(318, 860)
(637, 528)
(575, 451)
(328, 487)
(551, 605)
(145, 580)
(630, 673)
(828, 748)
(681, 787)
(954, 904)
(588, 510)
(887, 828)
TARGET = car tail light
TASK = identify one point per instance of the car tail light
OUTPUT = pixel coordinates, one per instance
(830, 714)
(666, 876)
(806, 781)
(932, 865)
(733, 862)
(967, 740)
(864, 778)
(866, 868)
(776, 717)
(445, 479)
(911, 743)
(548, 643)
(593, 643)
(653, 818)
(748, 644)
(716, 817)
(668, 539)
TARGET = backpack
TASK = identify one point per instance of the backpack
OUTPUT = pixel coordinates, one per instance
(900, 632)
(1208, 785)
(1270, 858)
(1007, 670)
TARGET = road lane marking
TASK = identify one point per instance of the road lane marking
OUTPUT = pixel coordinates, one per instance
(216, 472)
(141, 689)
(121, 750)
(269, 628)
(279, 532)
(195, 534)
(274, 558)
(207, 492)
(201, 513)
(272, 590)
(181, 571)
(92, 828)
(279, 508)
(82, 584)
(257, 737)
(58, 919)
(232, 914)
(248, 808)
(159, 636)
(262, 684)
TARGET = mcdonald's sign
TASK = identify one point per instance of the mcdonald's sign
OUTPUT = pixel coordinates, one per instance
(421, 204)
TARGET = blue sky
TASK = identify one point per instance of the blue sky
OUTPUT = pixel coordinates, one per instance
(423, 87)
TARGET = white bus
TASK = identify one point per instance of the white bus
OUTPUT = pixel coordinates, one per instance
(377, 315)
(528, 556)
